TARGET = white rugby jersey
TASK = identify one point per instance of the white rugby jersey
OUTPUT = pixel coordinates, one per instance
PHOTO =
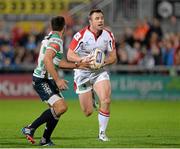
(85, 41)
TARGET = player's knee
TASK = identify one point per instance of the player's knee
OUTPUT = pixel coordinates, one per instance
(106, 100)
(63, 108)
(60, 108)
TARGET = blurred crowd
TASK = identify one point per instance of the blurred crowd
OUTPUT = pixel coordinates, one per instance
(150, 44)
(147, 44)
(21, 48)
(18, 47)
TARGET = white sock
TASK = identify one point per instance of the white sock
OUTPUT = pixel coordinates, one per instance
(103, 121)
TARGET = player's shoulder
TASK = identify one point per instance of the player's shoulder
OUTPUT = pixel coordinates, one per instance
(83, 30)
(80, 33)
(108, 32)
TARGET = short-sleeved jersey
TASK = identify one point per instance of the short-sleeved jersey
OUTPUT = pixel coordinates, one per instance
(53, 42)
(85, 41)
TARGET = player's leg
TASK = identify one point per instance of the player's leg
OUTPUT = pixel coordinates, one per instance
(58, 107)
(84, 91)
(40, 86)
(103, 91)
(86, 102)
(47, 90)
(95, 100)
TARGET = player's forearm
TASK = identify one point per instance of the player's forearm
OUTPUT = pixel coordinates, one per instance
(71, 56)
(50, 68)
(67, 65)
(111, 59)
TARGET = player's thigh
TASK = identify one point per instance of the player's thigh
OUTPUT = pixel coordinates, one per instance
(103, 89)
(86, 102)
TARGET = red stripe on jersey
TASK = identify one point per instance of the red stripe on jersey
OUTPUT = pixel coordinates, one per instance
(113, 40)
(77, 37)
(55, 46)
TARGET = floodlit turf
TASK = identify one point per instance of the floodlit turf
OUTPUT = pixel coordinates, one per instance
(132, 124)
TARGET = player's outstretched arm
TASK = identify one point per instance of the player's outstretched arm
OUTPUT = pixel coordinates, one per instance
(64, 64)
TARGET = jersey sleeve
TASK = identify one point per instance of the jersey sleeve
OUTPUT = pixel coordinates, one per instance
(111, 42)
(76, 42)
(55, 45)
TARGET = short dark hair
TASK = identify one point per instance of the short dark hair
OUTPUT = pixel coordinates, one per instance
(95, 11)
(57, 23)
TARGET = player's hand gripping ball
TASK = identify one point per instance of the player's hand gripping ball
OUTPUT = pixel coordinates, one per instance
(98, 58)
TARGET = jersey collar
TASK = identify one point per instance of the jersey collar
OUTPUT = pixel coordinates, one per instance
(95, 35)
(56, 32)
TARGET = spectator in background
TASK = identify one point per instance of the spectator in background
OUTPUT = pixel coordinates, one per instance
(177, 56)
(154, 48)
(155, 26)
(140, 30)
(31, 43)
(28, 58)
(128, 35)
(147, 60)
(17, 34)
(1, 59)
(19, 55)
(4, 32)
(134, 53)
(7, 54)
(174, 39)
(168, 53)
(122, 54)
(44, 31)
(171, 25)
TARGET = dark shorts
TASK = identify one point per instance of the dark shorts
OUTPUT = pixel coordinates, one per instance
(46, 88)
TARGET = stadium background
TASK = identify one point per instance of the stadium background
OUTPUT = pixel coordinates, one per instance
(147, 34)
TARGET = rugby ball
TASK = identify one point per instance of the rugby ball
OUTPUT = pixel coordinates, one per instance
(98, 59)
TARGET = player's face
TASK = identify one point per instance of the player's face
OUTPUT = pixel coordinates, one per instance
(97, 21)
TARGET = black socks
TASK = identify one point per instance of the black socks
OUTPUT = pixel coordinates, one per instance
(49, 117)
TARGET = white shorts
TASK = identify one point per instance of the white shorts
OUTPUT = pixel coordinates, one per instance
(83, 82)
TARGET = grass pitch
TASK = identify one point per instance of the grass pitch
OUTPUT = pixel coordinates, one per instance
(132, 124)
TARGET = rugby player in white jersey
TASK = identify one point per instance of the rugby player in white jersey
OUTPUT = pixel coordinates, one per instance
(83, 43)
(47, 83)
